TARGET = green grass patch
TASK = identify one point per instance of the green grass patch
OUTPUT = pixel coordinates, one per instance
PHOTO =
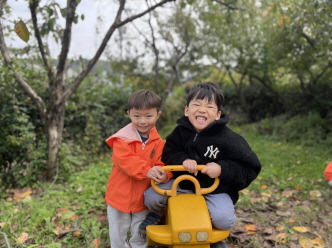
(59, 215)
(73, 214)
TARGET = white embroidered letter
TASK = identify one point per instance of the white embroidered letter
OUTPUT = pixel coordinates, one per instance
(212, 152)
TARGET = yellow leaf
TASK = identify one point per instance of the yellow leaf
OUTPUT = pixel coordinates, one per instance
(305, 242)
(56, 231)
(318, 242)
(264, 186)
(245, 191)
(23, 237)
(251, 233)
(280, 228)
(315, 193)
(266, 194)
(69, 215)
(291, 220)
(18, 196)
(282, 237)
(251, 227)
(77, 233)
(301, 229)
(22, 31)
(280, 22)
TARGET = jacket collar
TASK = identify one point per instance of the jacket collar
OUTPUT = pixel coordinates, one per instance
(130, 134)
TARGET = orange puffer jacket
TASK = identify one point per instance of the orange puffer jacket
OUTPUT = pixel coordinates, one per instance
(328, 172)
(131, 161)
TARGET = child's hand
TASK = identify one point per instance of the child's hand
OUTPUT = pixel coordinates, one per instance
(213, 170)
(157, 174)
(191, 166)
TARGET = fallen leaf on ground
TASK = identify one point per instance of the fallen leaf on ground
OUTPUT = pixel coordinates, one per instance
(283, 213)
(280, 228)
(301, 229)
(251, 227)
(315, 193)
(282, 237)
(245, 191)
(305, 242)
(96, 242)
(23, 237)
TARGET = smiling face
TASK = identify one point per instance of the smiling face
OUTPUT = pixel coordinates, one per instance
(143, 120)
(202, 113)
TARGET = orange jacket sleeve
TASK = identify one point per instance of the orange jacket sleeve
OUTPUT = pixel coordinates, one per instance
(131, 164)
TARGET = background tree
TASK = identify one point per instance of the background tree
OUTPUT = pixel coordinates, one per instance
(52, 110)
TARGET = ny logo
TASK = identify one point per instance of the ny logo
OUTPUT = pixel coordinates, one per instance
(212, 152)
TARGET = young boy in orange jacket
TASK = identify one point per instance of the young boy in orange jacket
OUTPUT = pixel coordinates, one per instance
(136, 158)
(328, 173)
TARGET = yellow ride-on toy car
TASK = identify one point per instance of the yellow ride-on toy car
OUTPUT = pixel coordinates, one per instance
(187, 221)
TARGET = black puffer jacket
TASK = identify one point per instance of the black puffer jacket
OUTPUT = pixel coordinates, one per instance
(219, 144)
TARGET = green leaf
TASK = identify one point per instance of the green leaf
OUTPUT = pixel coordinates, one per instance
(63, 12)
(22, 31)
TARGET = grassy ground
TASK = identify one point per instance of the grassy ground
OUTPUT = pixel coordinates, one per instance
(290, 203)
(287, 206)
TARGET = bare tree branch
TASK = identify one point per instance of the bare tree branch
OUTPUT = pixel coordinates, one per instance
(65, 44)
(228, 5)
(156, 53)
(33, 6)
(310, 41)
(8, 62)
(117, 23)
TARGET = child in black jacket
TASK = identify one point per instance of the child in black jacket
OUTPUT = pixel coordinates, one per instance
(202, 137)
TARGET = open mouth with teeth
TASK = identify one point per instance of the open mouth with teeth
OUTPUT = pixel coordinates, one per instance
(201, 119)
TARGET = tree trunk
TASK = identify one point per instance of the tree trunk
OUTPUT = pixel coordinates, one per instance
(52, 117)
(54, 130)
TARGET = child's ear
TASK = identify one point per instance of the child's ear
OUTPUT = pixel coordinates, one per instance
(159, 114)
(186, 110)
(218, 115)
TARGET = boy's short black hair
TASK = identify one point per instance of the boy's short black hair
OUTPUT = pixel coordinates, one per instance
(207, 90)
(144, 99)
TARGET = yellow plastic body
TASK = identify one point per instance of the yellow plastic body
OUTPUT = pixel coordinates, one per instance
(188, 221)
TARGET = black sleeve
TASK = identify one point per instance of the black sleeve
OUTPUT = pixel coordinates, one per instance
(174, 151)
(242, 165)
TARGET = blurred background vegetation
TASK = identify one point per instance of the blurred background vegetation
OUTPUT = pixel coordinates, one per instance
(272, 60)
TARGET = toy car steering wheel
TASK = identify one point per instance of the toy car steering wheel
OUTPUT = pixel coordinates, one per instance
(173, 191)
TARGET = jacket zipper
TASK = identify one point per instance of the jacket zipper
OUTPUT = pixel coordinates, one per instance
(135, 187)
(194, 146)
